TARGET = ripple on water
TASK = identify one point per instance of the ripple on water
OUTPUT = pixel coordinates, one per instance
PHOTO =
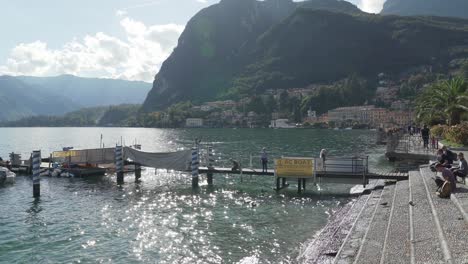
(161, 220)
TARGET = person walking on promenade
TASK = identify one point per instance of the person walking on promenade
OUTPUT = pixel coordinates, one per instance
(425, 136)
(264, 158)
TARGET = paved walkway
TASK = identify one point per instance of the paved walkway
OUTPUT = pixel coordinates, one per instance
(405, 222)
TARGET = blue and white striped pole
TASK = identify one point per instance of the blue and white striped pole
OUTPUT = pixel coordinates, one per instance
(36, 167)
(195, 165)
(209, 175)
(119, 164)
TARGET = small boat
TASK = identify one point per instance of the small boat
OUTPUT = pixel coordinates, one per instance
(6, 176)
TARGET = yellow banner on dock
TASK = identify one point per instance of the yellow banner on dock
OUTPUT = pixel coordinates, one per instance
(294, 167)
(64, 154)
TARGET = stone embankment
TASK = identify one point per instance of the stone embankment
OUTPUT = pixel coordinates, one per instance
(397, 222)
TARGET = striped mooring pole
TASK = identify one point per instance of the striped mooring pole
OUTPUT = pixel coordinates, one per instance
(209, 175)
(195, 165)
(36, 168)
(119, 164)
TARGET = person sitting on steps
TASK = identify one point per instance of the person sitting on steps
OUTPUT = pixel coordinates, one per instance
(447, 176)
(462, 169)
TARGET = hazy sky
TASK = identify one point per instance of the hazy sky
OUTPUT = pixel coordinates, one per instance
(126, 39)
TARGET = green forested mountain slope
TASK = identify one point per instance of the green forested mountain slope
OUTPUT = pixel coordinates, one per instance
(242, 47)
(446, 8)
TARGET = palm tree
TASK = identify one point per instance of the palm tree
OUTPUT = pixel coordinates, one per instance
(446, 100)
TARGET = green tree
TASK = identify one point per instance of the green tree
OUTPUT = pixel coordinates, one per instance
(447, 99)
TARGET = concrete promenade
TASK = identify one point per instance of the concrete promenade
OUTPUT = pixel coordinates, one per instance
(398, 222)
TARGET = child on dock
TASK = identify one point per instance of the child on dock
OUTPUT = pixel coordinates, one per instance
(433, 142)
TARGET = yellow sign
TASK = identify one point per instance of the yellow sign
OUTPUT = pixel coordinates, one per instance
(294, 167)
(64, 154)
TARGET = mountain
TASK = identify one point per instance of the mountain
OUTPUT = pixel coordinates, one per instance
(90, 92)
(243, 47)
(18, 101)
(445, 8)
(29, 96)
(217, 44)
(312, 46)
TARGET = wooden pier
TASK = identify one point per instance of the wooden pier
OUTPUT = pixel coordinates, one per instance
(332, 170)
(320, 176)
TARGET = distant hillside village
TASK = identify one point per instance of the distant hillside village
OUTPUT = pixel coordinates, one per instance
(390, 110)
(366, 116)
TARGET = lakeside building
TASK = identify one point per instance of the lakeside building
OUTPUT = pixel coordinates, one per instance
(370, 115)
(281, 123)
(194, 122)
(359, 114)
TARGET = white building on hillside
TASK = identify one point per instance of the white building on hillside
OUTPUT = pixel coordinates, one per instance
(194, 122)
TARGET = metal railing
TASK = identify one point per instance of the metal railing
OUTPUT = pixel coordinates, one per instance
(353, 165)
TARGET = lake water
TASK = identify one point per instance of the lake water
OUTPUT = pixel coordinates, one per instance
(161, 219)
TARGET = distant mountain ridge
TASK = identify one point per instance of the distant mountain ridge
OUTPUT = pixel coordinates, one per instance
(445, 8)
(90, 92)
(243, 47)
(24, 96)
(217, 44)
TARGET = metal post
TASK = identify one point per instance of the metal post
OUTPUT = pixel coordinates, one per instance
(36, 165)
(119, 164)
(195, 165)
(240, 167)
(304, 184)
(283, 182)
(278, 184)
(209, 175)
(299, 187)
(315, 172)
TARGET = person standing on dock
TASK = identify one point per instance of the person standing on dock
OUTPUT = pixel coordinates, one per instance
(425, 136)
(264, 159)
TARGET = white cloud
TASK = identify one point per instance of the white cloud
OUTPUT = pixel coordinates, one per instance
(120, 13)
(371, 6)
(138, 57)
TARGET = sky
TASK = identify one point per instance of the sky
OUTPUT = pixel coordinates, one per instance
(119, 39)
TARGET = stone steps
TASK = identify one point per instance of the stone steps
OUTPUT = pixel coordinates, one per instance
(352, 243)
(409, 223)
(427, 248)
(325, 245)
(374, 239)
(397, 247)
(453, 227)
